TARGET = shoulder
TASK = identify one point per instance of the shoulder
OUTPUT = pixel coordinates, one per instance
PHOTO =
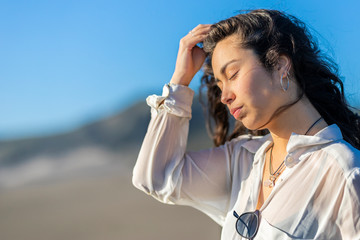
(345, 156)
(332, 150)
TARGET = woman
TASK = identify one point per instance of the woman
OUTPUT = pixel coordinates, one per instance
(299, 181)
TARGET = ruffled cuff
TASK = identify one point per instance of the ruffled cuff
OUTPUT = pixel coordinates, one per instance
(175, 99)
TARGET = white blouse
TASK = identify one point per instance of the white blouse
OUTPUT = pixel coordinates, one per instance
(316, 197)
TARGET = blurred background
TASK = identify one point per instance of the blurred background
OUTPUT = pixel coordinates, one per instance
(74, 77)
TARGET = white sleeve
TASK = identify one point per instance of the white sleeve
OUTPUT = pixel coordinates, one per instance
(165, 171)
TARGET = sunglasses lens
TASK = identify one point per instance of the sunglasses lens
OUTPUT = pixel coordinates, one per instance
(247, 225)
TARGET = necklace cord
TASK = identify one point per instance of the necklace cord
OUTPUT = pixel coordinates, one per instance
(316, 122)
(279, 169)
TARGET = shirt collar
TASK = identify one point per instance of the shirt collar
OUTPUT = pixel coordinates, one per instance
(297, 145)
(255, 142)
(262, 146)
(326, 135)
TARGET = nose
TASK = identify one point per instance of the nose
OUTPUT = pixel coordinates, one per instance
(227, 96)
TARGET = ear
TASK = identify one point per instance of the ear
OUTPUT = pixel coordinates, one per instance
(284, 65)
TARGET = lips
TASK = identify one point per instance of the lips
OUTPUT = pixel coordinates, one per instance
(236, 112)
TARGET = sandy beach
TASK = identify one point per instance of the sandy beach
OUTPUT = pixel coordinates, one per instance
(96, 207)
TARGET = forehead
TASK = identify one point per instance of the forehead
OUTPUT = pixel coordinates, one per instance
(228, 50)
(224, 47)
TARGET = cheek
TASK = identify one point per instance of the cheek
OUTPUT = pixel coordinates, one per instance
(259, 91)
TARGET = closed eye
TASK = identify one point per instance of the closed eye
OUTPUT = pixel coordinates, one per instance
(234, 75)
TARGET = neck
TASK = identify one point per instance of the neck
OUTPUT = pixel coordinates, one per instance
(296, 119)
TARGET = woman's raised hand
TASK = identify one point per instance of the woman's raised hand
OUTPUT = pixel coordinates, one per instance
(190, 57)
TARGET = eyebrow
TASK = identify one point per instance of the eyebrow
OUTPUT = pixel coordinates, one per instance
(223, 68)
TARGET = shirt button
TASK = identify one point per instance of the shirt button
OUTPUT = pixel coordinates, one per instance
(290, 159)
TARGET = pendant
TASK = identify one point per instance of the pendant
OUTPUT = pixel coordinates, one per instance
(268, 183)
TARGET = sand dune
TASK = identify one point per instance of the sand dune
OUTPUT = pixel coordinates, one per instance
(96, 207)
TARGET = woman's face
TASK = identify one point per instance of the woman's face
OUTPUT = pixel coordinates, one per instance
(251, 93)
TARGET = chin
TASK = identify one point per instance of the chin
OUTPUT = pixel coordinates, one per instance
(251, 125)
(247, 124)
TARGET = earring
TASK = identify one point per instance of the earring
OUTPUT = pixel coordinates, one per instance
(282, 84)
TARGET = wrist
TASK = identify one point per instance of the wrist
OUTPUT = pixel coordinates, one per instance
(183, 80)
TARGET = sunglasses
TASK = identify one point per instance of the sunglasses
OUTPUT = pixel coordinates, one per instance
(247, 224)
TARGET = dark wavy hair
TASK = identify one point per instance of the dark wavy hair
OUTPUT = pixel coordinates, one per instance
(271, 33)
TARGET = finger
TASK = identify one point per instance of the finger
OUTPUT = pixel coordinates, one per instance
(201, 37)
(198, 37)
(190, 41)
(201, 26)
(195, 36)
(200, 30)
(200, 33)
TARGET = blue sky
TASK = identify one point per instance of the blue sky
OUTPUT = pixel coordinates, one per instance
(65, 63)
